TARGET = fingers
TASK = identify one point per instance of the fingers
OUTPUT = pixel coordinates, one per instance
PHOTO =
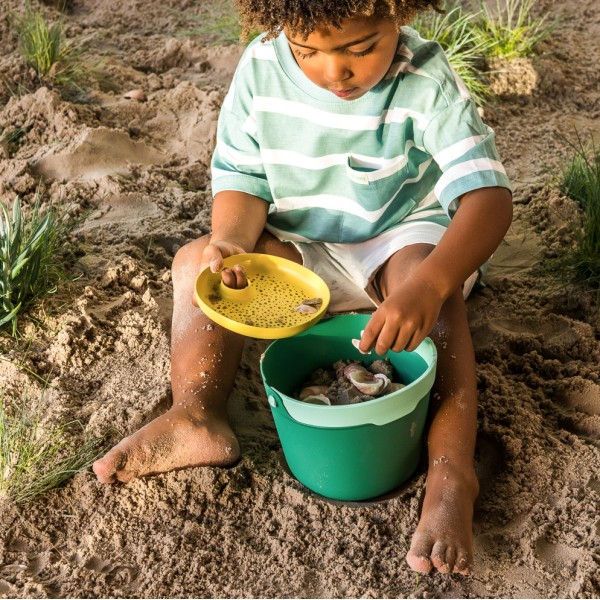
(383, 334)
(212, 258)
(234, 277)
(215, 264)
(215, 252)
(369, 335)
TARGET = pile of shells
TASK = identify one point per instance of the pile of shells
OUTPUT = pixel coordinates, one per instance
(349, 382)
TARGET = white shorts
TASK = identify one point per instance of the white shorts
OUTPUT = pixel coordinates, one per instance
(349, 269)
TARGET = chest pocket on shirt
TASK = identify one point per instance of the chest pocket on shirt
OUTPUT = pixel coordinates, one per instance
(374, 182)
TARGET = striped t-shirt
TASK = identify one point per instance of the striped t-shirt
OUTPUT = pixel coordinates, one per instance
(345, 171)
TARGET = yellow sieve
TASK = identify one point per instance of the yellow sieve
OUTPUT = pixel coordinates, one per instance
(266, 308)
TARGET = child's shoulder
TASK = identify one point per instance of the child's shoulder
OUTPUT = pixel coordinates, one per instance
(256, 52)
(423, 49)
(426, 60)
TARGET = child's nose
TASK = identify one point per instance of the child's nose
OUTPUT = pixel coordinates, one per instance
(336, 69)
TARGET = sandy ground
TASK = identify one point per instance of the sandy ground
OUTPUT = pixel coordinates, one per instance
(253, 530)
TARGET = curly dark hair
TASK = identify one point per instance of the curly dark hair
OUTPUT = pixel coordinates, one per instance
(302, 17)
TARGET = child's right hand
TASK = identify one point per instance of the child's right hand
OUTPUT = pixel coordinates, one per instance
(212, 257)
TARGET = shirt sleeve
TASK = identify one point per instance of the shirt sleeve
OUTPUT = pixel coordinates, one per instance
(236, 162)
(464, 148)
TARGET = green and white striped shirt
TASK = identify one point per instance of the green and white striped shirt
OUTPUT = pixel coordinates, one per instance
(345, 171)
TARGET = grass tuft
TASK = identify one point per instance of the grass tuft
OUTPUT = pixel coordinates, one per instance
(465, 49)
(509, 31)
(33, 256)
(11, 139)
(35, 459)
(579, 179)
(43, 45)
(219, 25)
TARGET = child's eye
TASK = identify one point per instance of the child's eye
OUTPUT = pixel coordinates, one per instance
(305, 55)
(363, 53)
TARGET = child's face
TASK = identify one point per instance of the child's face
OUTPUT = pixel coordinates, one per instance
(348, 61)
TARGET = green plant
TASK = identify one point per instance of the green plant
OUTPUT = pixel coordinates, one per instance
(45, 48)
(579, 179)
(456, 33)
(41, 44)
(219, 25)
(33, 256)
(12, 138)
(509, 31)
(35, 458)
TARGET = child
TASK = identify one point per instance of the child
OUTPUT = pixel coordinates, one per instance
(347, 144)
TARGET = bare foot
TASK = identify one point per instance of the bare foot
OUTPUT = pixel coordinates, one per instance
(444, 536)
(174, 440)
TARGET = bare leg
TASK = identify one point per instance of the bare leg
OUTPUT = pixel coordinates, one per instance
(204, 359)
(444, 536)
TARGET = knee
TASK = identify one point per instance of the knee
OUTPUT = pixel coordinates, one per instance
(400, 265)
(189, 258)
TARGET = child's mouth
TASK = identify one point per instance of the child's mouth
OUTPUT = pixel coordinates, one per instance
(344, 93)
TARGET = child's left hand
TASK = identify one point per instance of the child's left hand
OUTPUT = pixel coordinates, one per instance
(404, 319)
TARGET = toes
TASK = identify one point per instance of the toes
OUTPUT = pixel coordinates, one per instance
(125, 476)
(447, 559)
(438, 557)
(450, 558)
(107, 467)
(463, 563)
(418, 556)
(102, 478)
(425, 553)
(103, 471)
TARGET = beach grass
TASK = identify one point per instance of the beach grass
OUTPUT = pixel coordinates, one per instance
(579, 179)
(34, 255)
(224, 28)
(218, 26)
(45, 48)
(509, 30)
(42, 44)
(465, 48)
(35, 458)
(11, 139)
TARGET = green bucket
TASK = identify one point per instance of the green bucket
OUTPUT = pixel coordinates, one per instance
(356, 451)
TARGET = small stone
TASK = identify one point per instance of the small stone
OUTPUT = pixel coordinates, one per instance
(138, 95)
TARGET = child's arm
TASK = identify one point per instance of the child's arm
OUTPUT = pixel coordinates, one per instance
(407, 315)
(238, 219)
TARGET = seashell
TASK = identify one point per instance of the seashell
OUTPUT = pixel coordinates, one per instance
(382, 366)
(356, 343)
(306, 309)
(312, 390)
(138, 95)
(365, 381)
(350, 396)
(394, 387)
(318, 399)
(317, 302)
(386, 382)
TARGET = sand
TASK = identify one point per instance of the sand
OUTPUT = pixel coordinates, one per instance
(140, 169)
